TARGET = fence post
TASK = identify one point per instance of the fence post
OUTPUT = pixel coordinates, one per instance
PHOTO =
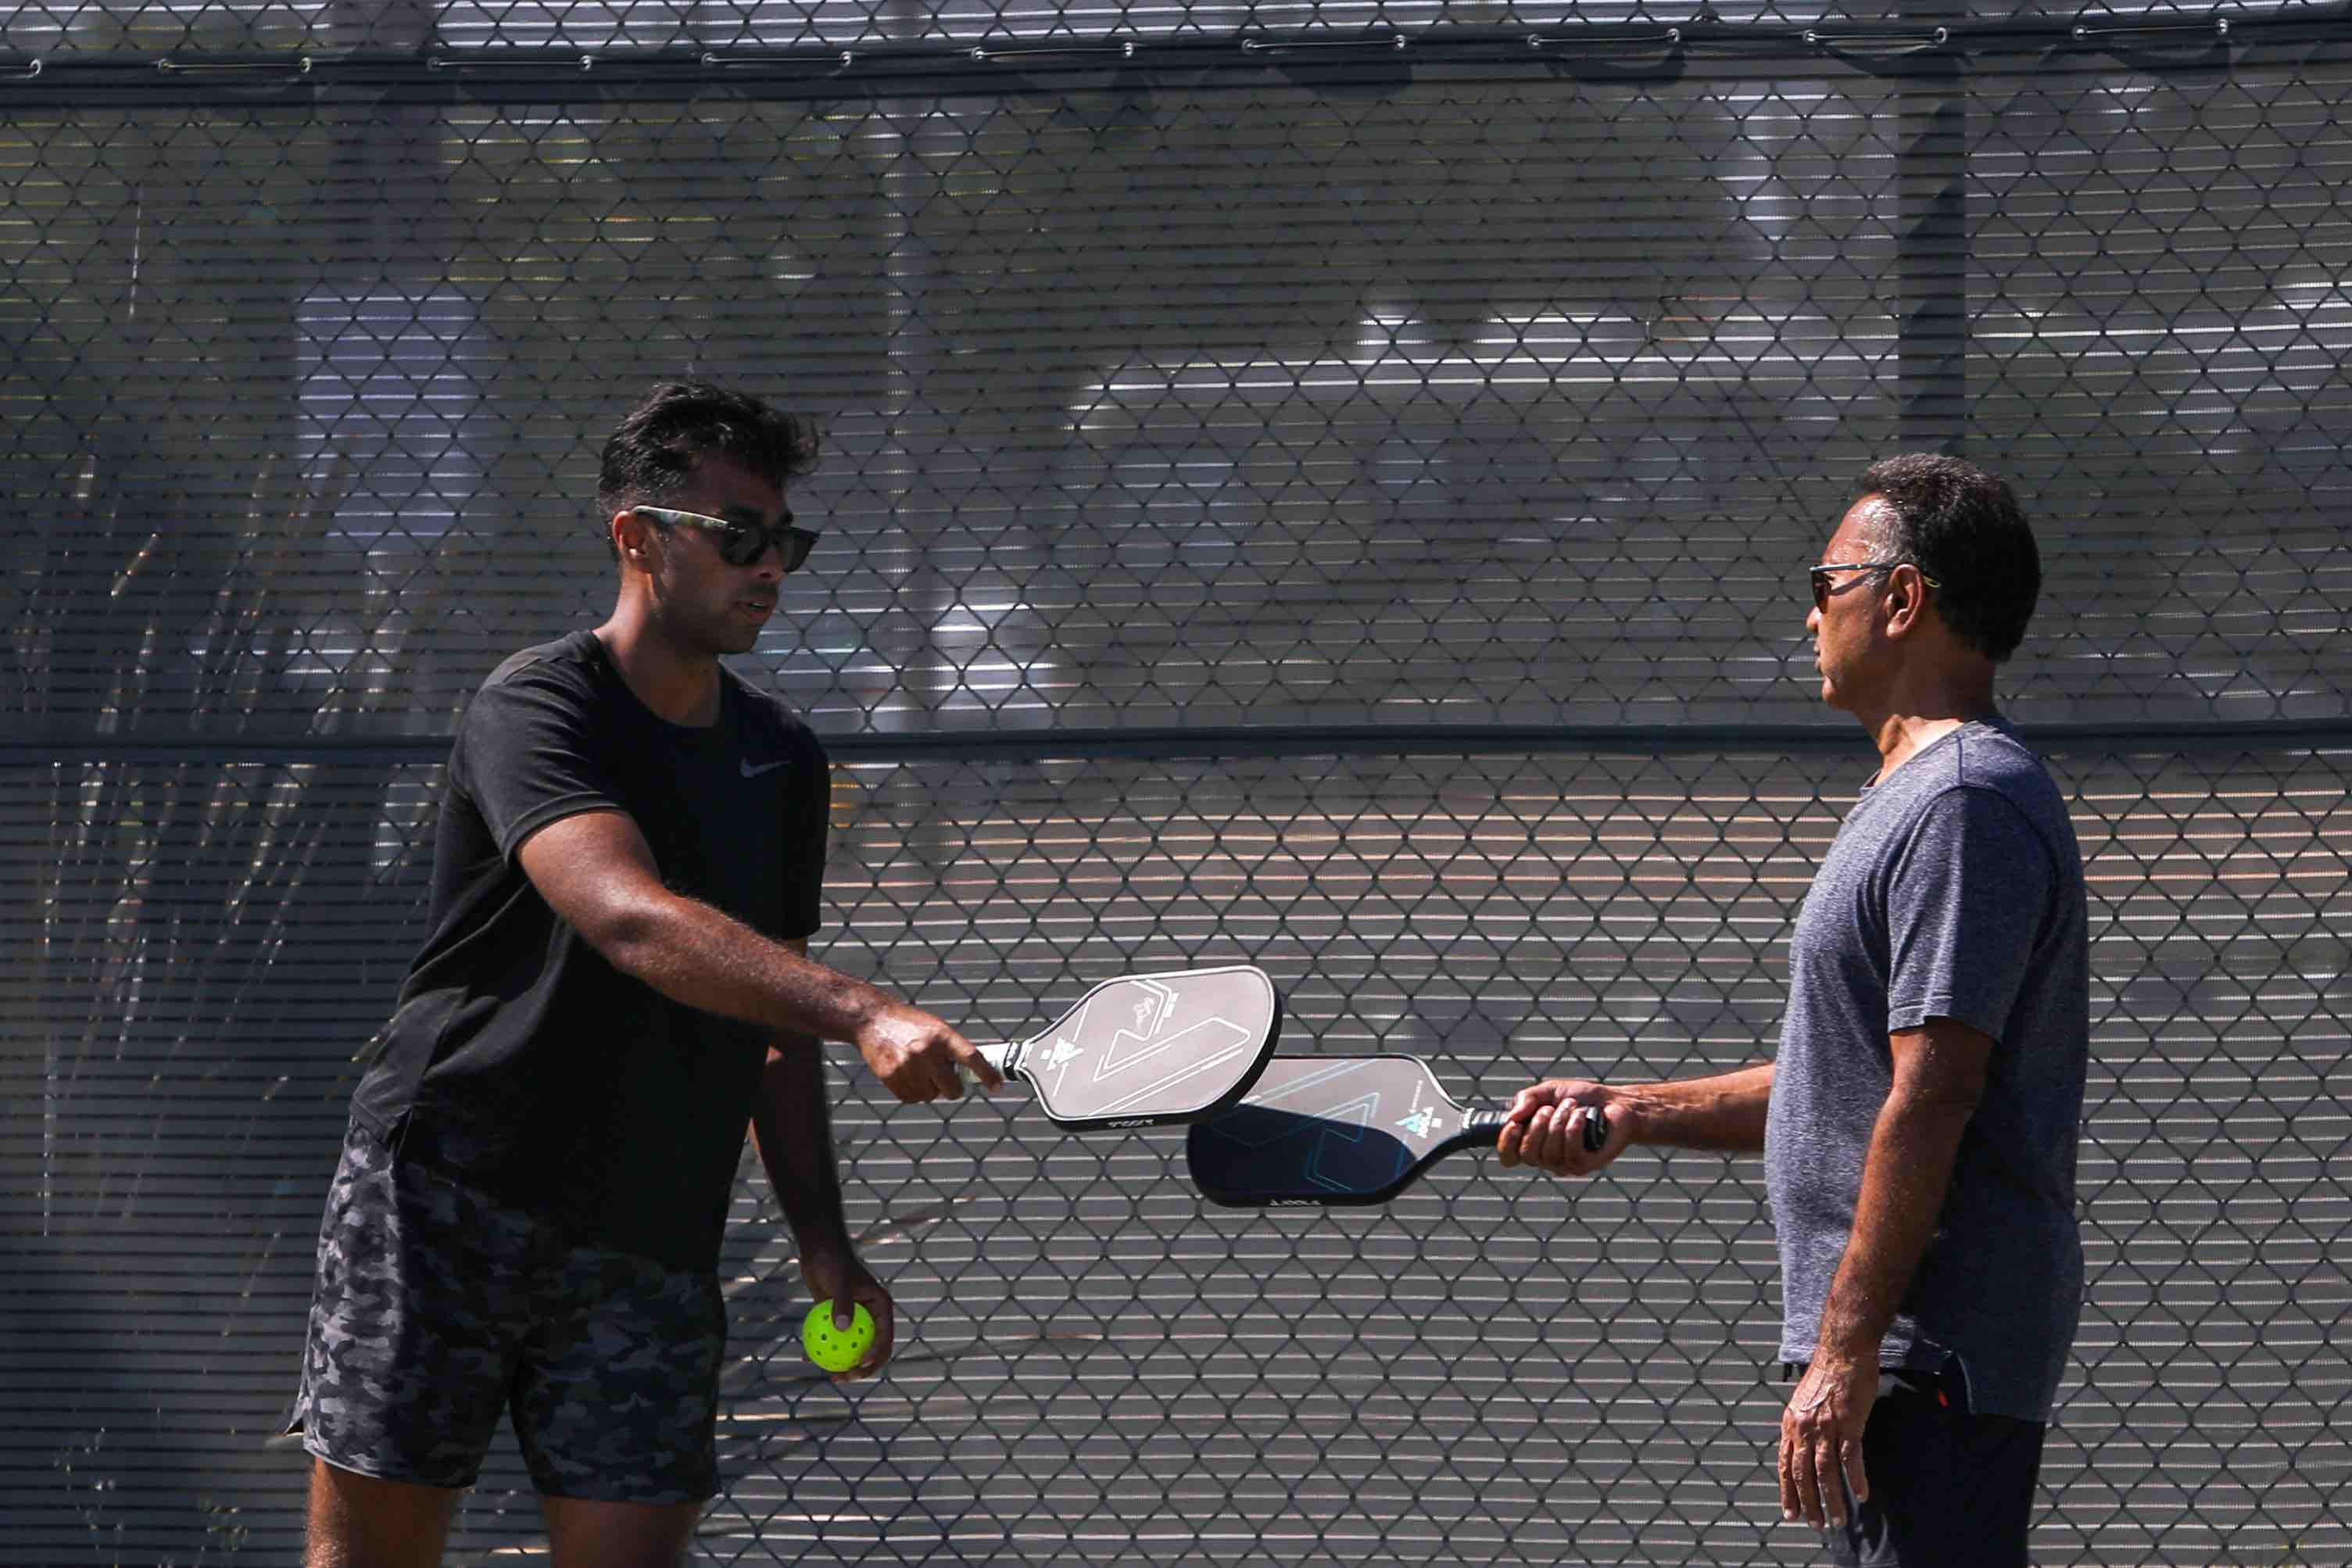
(1931, 227)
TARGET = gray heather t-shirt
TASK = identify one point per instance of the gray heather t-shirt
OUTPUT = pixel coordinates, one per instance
(1954, 891)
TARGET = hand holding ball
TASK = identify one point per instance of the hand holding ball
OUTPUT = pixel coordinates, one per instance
(836, 1349)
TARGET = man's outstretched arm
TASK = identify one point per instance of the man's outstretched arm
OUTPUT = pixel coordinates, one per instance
(596, 871)
(1725, 1113)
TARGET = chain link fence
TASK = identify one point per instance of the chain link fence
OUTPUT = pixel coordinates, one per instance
(1327, 485)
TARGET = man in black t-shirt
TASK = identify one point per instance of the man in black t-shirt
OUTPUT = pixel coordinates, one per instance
(615, 981)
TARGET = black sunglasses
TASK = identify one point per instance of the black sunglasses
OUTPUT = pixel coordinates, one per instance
(1821, 576)
(742, 543)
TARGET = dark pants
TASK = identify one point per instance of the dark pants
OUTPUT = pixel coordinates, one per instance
(1947, 1487)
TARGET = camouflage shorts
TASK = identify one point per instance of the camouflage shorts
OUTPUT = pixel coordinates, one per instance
(437, 1307)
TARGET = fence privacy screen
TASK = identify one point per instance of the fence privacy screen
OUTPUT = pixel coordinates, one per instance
(1322, 485)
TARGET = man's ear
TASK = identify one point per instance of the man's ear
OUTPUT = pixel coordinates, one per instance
(629, 533)
(1906, 601)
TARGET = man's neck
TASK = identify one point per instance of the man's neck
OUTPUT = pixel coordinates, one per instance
(1901, 739)
(1912, 721)
(680, 687)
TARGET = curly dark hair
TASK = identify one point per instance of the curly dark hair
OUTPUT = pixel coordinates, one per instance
(1962, 527)
(655, 449)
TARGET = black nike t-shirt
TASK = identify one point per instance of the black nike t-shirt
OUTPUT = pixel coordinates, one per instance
(518, 1058)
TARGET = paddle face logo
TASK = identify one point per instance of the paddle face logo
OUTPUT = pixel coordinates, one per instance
(1062, 1055)
(1422, 1123)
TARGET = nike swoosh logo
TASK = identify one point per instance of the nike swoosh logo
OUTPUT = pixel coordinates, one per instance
(753, 770)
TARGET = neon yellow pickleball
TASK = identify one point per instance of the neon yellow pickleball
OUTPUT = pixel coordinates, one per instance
(835, 1349)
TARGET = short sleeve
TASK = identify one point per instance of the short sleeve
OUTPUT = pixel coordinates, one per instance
(1965, 905)
(527, 755)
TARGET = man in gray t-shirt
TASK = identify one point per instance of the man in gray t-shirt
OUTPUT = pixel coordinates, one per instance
(1954, 891)
(1920, 1119)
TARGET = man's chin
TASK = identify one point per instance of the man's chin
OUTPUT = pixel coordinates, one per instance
(722, 642)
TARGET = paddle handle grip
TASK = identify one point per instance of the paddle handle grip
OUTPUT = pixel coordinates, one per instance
(1596, 1125)
(999, 1057)
(1596, 1129)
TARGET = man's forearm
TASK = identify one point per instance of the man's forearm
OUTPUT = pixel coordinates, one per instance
(1907, 1172)
(792, 1125)
(1724, 1113)
(693, 953)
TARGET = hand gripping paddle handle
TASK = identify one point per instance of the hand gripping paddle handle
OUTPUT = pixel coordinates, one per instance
(999, 1054)
(1596, 1125)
